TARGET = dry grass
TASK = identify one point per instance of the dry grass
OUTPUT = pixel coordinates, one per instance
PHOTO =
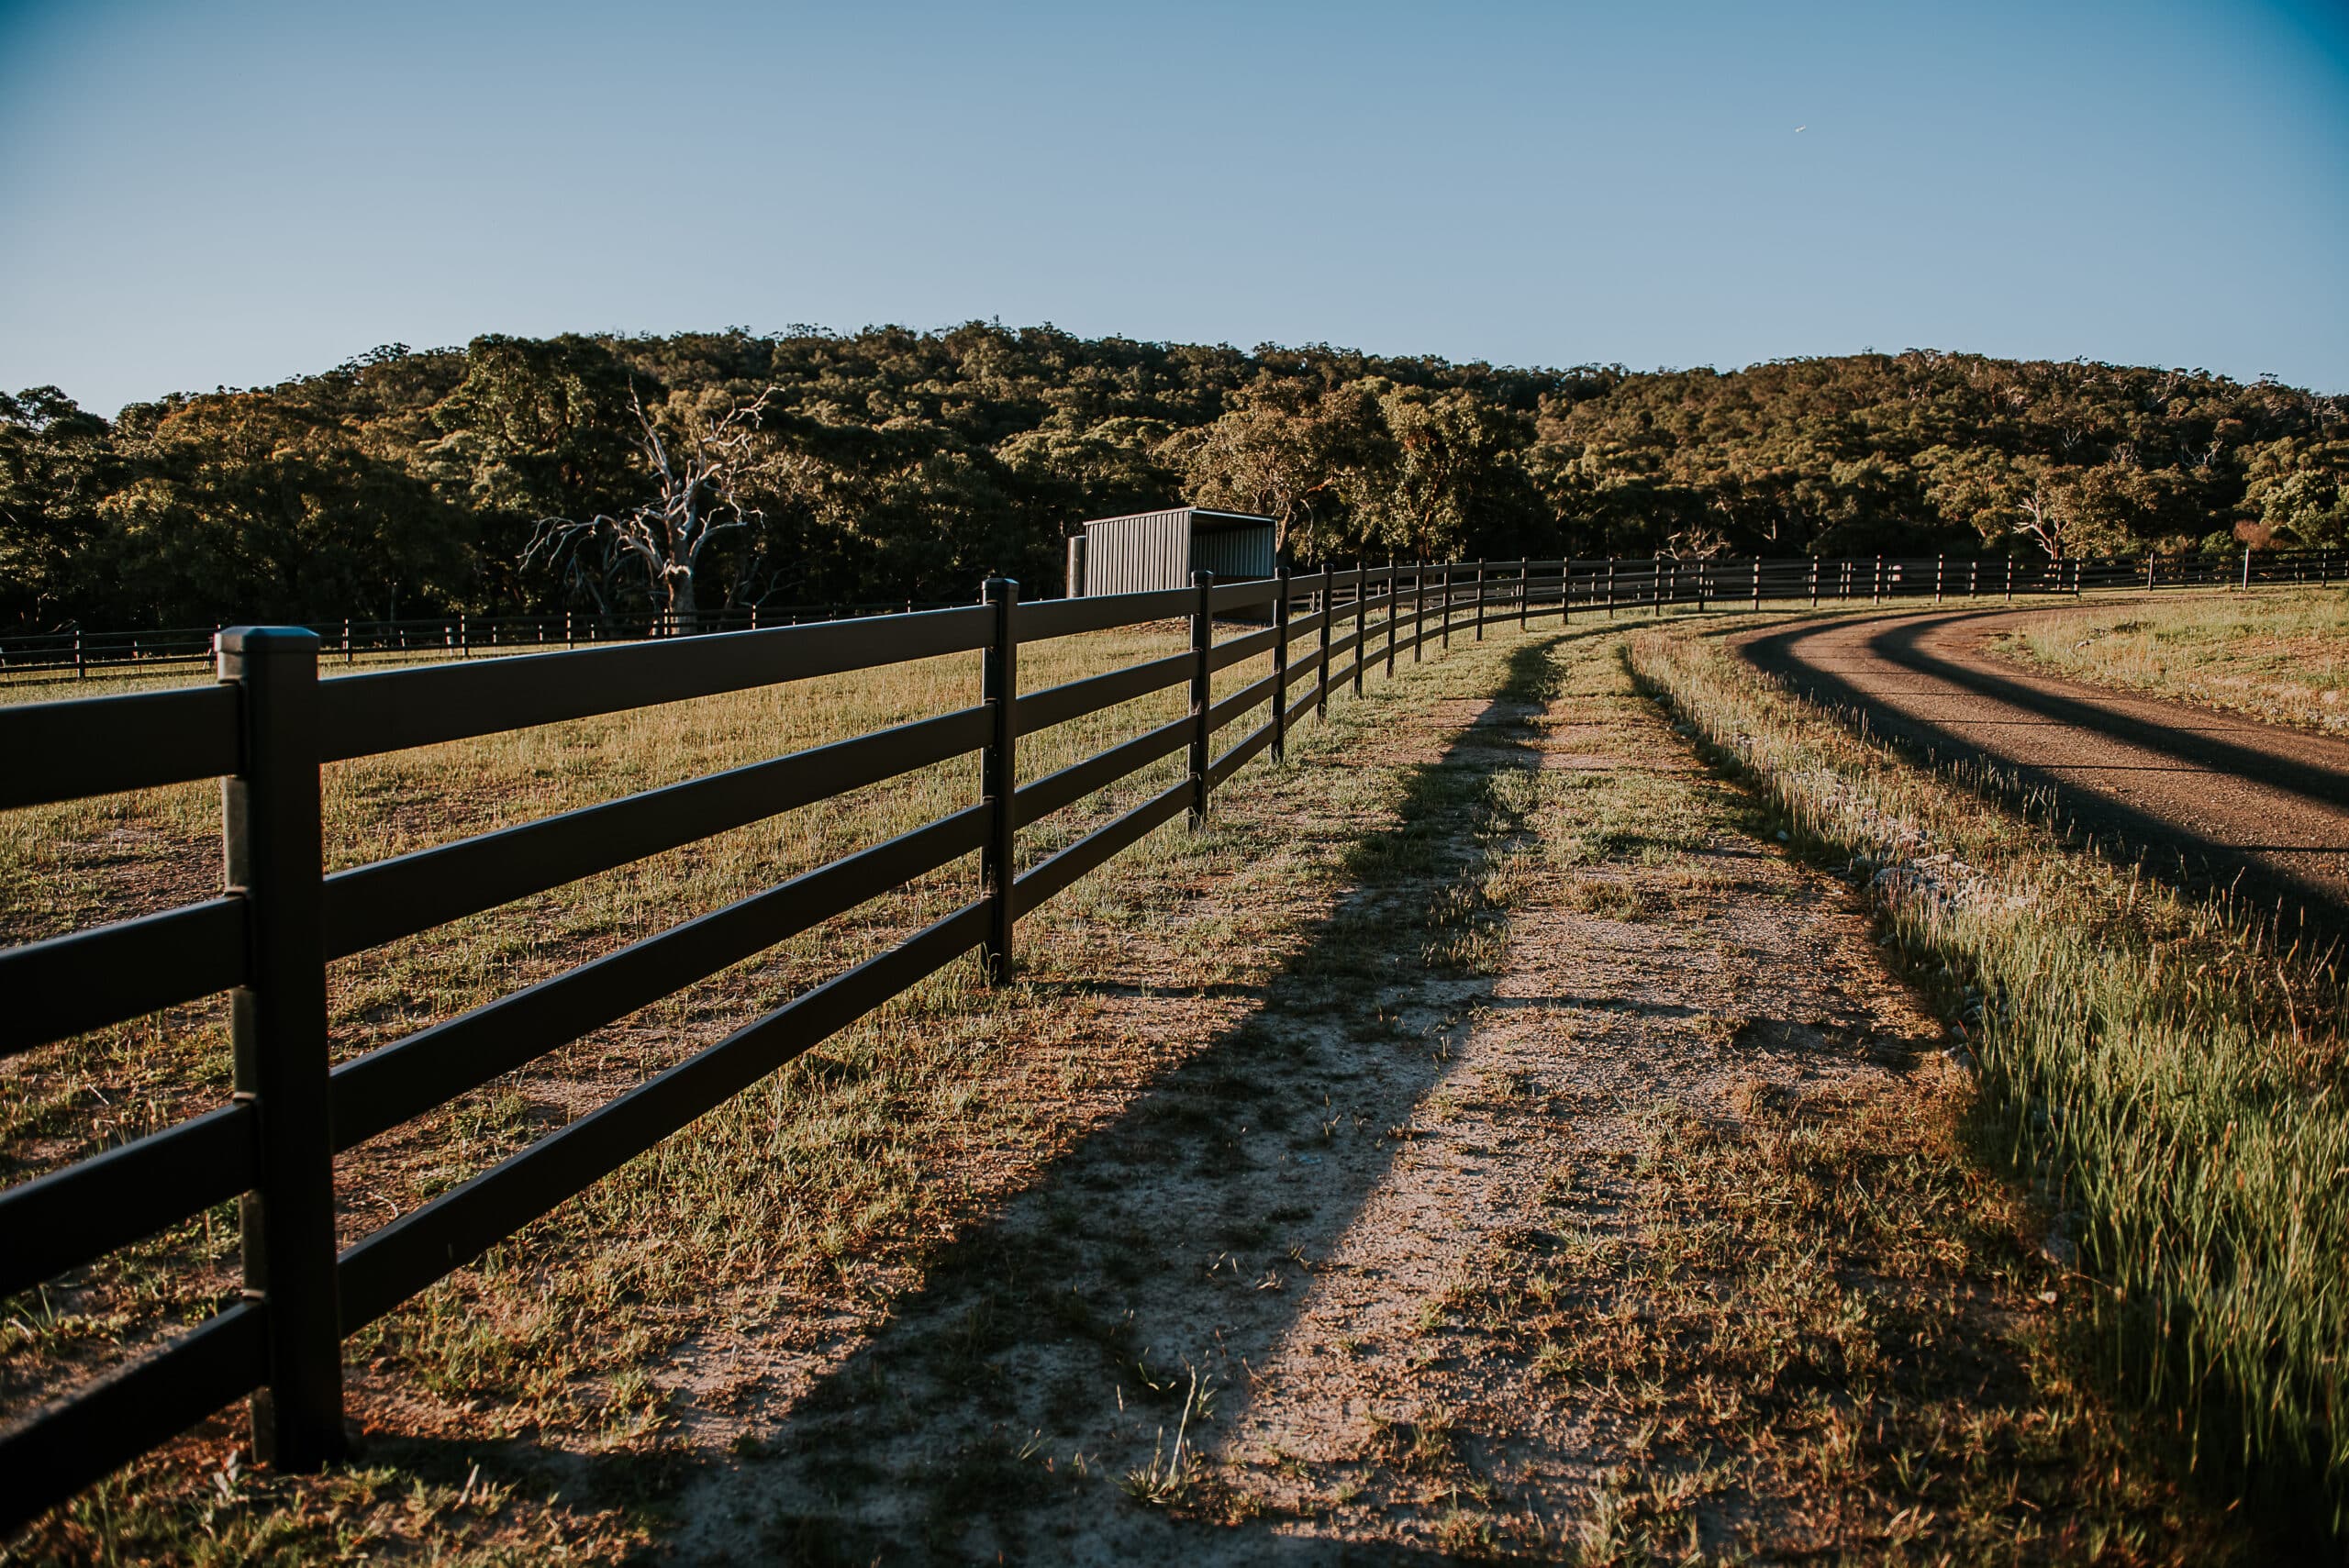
(822, 1184)
(2282, 656)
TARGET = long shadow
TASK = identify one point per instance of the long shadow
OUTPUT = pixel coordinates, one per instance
(1116, 1311)
(2126, 833)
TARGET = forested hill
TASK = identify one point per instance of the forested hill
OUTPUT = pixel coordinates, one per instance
(893, 463)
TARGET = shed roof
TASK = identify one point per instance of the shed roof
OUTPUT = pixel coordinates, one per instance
(1202, 517)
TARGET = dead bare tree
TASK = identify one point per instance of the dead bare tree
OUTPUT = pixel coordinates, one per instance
(698, 505)
(2043, 521)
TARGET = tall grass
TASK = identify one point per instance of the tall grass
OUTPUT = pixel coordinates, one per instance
(2171, 1075)
(2279, 657)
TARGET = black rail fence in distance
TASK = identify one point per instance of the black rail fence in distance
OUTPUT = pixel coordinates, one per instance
(78, 652)
(1640, 580)
(267, 728)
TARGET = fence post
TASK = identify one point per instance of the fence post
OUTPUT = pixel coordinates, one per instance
(1202, 689)
(1875, 591)
(1610, 587)
(1974, 578)
(1280, 665)
(1361, 613)
(1566, 590)
(278, 1024)
(1420, 606)
(2246, 568)
(1393, 601)
(1814, 582)
(78, 670)
(1328, 613)
(998, 860)
(345, 640)
(2149, 571)
(1940, 570)
(1482, 592)
(1758, 582)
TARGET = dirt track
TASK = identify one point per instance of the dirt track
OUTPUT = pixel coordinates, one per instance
(2207, 798)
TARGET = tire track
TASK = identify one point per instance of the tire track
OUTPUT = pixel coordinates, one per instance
(2212, 800)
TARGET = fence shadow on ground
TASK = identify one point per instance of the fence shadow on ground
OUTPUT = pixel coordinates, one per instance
(1118, 1305)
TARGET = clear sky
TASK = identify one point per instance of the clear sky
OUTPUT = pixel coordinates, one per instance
(234, 192)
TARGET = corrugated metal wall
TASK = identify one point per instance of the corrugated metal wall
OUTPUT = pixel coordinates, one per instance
(1135, 555)
(1231, 552)
(1161, 549)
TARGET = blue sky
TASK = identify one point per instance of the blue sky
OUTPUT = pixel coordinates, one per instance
(233, 192)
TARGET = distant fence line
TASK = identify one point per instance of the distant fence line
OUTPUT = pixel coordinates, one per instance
(1645, 580)
(269, 725)
(81, 651)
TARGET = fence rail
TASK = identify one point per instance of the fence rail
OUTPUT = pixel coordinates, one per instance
(1645, 580)
(266, 728)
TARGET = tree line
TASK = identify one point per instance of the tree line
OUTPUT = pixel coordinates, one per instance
(805, 467)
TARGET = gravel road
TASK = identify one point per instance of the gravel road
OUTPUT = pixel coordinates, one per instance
(2209, 798)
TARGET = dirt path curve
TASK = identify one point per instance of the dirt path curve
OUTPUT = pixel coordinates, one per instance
(2209, 798)
(1408, 1264)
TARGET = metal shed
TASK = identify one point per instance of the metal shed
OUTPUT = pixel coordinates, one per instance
(1161, 549)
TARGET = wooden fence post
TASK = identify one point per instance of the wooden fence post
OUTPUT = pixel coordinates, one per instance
(1202, 693)
(998, 858)
(1524, 590)
(1362, 613)
(1758, 582)
(1940, 568)
(1394, 607)
(1610, 587)
(1420, 606)
(2246, 568)
(1875, 594)
(1280, 665)
(1328, 613)
(1814, 582)
(1566, 590)
(278, 1026)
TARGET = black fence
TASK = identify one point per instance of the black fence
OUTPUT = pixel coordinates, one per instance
(1658, 580)
(269, 725)
(76, 651)
(267, 728)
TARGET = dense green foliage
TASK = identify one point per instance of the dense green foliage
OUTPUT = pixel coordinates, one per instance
(893, 463)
